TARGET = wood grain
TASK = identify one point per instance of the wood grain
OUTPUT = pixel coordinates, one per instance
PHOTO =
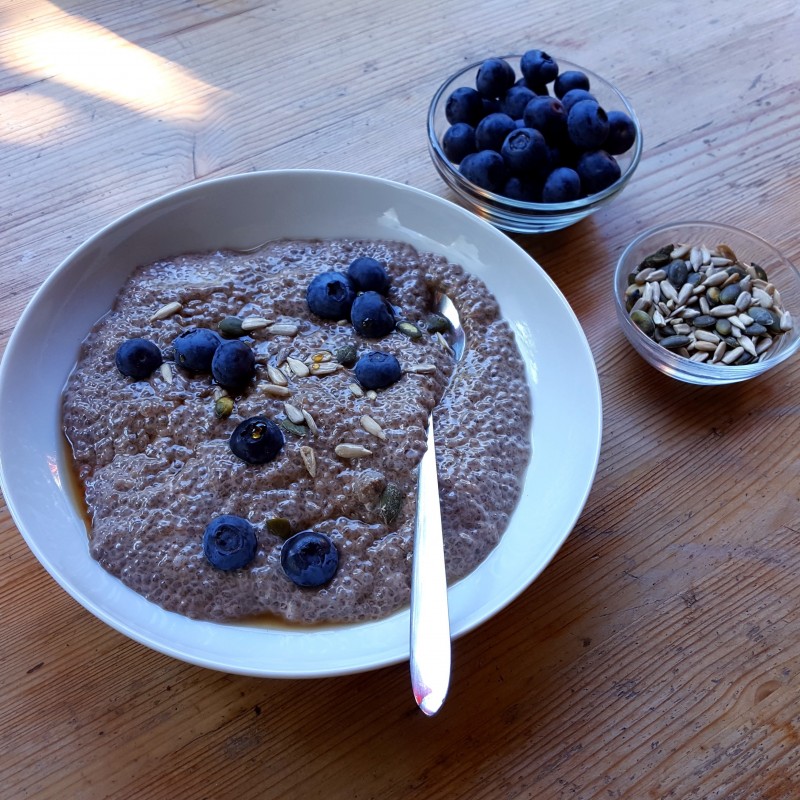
(658, 655)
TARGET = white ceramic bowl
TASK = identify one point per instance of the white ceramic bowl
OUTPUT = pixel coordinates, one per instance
(241, 212)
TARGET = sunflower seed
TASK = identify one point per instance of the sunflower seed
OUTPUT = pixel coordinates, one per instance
(722, 311)
(705, 347)
(743, 301)
(166, 311)
(309, 460)
(276, 376)
(719, 352)
(323, 357)
(294, 414)
(732, 355)
(657, 275)
(680, 251)
(298, 367)
(325, 368)
(443, 343)
(166, 372)
(356, 390)
(763, 344)
(762, 298)
(696, 257)
(786, 321)
(422, 369)
(715, 279)
(747, 343)
(274, 390)
(283, 329)
(310, 422)
(372, 394)
(255, 323)
(699, 356)
(347, 450)
(706, 336)
(371, 426)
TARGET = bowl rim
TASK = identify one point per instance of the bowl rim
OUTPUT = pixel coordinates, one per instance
(678, 366)
(460, 183)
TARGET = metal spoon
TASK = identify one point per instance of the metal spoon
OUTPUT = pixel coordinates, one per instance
(430, 621)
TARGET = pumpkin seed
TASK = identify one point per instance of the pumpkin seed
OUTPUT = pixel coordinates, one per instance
(409, 329)
(231, 327)
(291, 427)
(391, 502)
(223, 407)
(280, 527)
(346, 355)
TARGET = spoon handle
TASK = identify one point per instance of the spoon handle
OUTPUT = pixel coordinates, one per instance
(430, 621)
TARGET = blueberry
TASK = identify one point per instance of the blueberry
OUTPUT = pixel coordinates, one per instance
(256, 440)
(538, 67)
(494, 76)
(547, 115)
(486, 169)
(229, 542)
(523, 188)
(621, 133)
(570, 79)
(587, 124)
(368, 275)
(309, 558)
(525, 151)
(138, 358)
(330, 295)
(492, 131)
(195, 348)
(372, 315)
(514, 101)
(597, 170)
(458, 142)
(464, 105)
(490, 106)
(561, 186)
(575, 95)
(376, 370)
(233, 364)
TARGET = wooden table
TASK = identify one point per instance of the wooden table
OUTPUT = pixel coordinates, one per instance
(658, 656)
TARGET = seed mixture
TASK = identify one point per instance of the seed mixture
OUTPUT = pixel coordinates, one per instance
(154, 459)
(706, 304)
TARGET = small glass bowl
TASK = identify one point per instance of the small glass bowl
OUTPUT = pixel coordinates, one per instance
(748, 248)
(518, 216)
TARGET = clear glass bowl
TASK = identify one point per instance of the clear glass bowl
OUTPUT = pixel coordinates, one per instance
(518, 216)
(748, 248)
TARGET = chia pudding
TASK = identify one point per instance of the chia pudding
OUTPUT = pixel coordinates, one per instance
(155, 463)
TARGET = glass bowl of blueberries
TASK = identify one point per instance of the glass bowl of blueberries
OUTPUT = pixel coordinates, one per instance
(530, 143)
(707, 303)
